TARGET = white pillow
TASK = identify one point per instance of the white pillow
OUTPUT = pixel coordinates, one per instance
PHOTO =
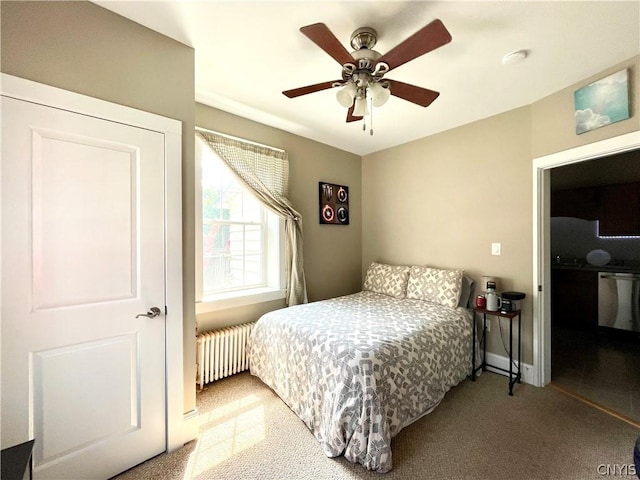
(436, 285)
(387, 279)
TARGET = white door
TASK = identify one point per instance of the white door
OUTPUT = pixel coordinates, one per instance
(82, 256)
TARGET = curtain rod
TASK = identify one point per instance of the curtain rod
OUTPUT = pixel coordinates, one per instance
(206, 130)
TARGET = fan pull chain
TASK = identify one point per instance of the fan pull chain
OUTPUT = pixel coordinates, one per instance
(364, 117)
(371, 118)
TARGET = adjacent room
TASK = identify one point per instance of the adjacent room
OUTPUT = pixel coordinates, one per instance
(595, 245)
(320, 239)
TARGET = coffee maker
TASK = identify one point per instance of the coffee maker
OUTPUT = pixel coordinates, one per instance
(514, 299)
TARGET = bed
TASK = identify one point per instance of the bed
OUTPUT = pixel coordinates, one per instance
(358, 369)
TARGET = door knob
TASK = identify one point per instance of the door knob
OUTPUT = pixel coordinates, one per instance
(152, 313)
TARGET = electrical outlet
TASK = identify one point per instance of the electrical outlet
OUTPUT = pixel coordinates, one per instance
(496, 248)
(488, 324)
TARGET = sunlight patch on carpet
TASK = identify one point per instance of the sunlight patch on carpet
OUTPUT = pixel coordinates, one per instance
(226, 431)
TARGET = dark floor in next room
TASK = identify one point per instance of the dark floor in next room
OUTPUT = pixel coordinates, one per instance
(601, 368)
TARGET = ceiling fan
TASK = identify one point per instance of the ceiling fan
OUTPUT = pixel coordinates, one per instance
(364, 69)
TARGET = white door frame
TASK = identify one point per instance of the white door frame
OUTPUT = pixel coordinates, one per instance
(27, 90)
(541, 239)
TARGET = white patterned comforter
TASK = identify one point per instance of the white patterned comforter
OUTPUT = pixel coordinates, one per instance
(358, 369)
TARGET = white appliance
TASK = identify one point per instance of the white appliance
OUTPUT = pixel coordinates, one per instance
(619, 300)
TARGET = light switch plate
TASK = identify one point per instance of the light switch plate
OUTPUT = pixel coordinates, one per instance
(496, 248)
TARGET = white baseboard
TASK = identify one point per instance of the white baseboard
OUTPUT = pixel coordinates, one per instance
(191, 426)
(527, 372)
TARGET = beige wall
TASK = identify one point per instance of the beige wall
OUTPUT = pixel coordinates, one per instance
(442, 200)
(84, 48)
(552, 118)
(332, 253)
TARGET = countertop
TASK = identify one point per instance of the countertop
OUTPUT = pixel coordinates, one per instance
(627, 267)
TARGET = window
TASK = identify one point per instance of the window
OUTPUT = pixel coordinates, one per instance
(239, 242)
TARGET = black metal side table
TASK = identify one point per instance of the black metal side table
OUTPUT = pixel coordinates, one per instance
(15, 461)
(514, 375)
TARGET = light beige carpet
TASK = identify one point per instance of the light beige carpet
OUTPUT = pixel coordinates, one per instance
(478, 432)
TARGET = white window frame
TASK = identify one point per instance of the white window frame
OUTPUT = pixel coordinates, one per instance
(274, 259)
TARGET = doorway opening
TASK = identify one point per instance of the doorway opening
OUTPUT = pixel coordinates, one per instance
(542, 166)
(595, 281)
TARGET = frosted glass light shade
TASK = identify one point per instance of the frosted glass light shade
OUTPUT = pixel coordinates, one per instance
(361, 109)
(379, 94)
(345, 95)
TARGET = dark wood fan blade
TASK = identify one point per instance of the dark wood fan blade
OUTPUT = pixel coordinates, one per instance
(320, 34)
(428, 38)
(418, 95)
(296, 92)
(350, 116)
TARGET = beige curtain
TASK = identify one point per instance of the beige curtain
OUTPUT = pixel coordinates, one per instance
(265, 171)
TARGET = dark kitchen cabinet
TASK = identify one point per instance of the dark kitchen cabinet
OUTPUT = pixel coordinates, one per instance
(575, 202)
(617, 207)
(574, 299)
(620, 209)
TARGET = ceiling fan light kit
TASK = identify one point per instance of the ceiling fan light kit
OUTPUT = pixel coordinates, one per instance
(363, 70)
(379, 94)
(346, 95)
(360, 107)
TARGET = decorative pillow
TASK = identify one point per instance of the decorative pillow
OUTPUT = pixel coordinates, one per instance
(436, 285)
(387, 279)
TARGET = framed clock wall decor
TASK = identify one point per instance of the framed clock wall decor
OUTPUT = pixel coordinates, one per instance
(334, 204)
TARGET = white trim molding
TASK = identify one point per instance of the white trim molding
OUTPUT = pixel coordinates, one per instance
(527, 372)
(191, 421)
(541, 238)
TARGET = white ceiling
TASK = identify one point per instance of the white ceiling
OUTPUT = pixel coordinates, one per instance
(248, 52)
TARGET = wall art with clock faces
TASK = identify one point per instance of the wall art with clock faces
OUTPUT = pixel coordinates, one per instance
(334, 204)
